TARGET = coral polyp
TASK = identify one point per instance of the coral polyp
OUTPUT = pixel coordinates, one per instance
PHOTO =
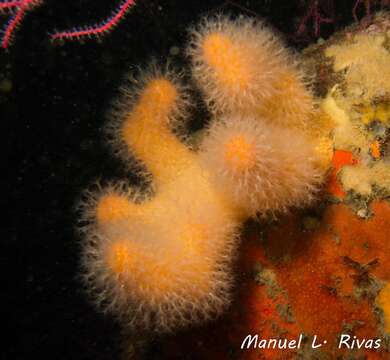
(162, 260)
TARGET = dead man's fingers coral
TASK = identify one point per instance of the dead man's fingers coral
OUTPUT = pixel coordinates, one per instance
(147, 128)
(163, 261)
(258, 149)
(242, 66)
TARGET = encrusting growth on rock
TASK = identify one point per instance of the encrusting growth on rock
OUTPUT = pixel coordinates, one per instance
(383, 301)
(162, 260)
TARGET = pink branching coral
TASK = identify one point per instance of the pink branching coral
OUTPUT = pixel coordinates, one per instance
(162, 260)
(21, 7)
(315, 14)
(98, 29)
(367, 7)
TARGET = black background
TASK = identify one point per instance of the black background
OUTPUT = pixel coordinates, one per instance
(53, 120)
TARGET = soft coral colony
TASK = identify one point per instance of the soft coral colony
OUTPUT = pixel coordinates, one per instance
(325, 270)
(162, 259)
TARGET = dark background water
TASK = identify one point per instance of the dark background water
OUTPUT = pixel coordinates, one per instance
(53, 118)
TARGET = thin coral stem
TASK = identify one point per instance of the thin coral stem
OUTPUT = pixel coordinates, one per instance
(313, 13)
(354, 10)
(22, 7)
(25, 4)
(6, 5)
(97, 29)
(367, 6)
(11, 26)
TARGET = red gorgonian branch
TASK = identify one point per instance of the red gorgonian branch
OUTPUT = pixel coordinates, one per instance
(19, 8)
(367, 7)
(313, 14)
(98, 29)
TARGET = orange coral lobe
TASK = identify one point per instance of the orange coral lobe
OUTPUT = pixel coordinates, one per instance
(147, 130)
(124, 256)
(193, 236)
(112, 208)
(225, 58)
(240, 154)
(119, 257)
(279, 106)
(159, 91)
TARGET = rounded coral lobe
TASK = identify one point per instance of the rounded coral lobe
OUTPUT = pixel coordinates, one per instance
(164, 266)
(265, 168)
(242, 66)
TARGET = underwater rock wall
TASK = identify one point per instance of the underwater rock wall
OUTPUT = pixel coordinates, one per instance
(325, 272)
(162, 260)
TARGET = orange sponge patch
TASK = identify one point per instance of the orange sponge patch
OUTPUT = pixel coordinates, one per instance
(340, 159)
(320, 284)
